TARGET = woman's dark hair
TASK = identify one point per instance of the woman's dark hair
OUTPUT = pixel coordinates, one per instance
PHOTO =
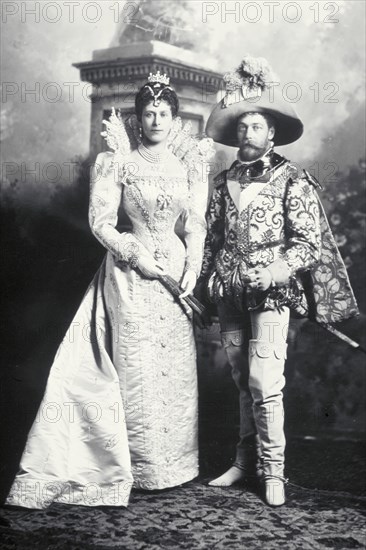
(156, 92)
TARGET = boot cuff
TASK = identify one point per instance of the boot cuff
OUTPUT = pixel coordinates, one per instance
(267, 349)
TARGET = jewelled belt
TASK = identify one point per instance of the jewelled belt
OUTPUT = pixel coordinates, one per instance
(262, 246)
(230, 279)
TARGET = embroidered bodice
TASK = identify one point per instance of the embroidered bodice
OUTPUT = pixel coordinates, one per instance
(155, 192)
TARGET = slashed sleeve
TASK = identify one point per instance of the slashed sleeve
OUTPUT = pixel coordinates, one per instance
(302, 226)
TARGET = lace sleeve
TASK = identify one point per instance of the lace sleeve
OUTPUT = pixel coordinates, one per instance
(105, 198)
(195, 154)
(194, 221)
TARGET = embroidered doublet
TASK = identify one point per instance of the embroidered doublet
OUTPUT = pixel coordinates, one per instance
(285, 221)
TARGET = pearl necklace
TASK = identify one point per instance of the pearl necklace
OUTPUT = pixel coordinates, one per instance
(150, 156)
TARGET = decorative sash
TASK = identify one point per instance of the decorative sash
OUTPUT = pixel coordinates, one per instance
(242, 198)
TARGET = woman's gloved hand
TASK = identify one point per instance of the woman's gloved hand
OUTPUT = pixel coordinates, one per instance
(149, 267)
(188, 282)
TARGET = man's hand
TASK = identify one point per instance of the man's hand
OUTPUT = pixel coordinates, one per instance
(188, 283)
(260, 278)
(280, 272)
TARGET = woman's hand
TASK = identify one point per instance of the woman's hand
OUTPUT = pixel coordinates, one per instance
(188, 282)
(149, 266)
(260, 278)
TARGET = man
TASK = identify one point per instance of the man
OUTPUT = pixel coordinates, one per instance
(267, 247)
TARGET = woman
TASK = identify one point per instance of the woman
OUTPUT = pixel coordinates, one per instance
(120, 407)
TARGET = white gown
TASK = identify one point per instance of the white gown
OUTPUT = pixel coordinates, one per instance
(120, 407)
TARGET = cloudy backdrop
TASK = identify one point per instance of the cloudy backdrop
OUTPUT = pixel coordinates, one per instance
(319, 46)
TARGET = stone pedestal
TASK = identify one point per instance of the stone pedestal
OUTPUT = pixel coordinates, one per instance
(117, 73)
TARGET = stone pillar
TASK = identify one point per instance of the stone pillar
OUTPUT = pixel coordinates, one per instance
(117, 73)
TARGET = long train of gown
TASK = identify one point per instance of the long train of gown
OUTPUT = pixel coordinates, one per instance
(120, 407)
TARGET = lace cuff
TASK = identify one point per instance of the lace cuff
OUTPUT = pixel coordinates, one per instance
(130, 255)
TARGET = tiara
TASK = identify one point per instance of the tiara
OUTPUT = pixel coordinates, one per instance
(159, 78)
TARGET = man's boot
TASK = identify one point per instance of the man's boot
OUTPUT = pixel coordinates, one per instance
(266, 381)
(249, 458)
(244, 467)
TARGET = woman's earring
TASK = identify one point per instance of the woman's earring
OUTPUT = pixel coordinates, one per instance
(140, 133)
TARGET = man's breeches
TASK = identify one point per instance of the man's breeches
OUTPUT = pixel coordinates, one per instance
(255, 344)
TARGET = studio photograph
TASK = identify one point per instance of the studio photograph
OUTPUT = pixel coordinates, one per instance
(183, 236)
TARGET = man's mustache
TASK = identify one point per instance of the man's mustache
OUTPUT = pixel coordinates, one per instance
(250, 144)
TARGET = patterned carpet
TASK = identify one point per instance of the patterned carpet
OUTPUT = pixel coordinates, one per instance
(194, 516)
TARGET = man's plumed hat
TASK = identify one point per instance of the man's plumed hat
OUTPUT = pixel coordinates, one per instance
(251, 88)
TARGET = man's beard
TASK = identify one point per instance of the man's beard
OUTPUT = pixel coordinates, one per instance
(249, 152)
